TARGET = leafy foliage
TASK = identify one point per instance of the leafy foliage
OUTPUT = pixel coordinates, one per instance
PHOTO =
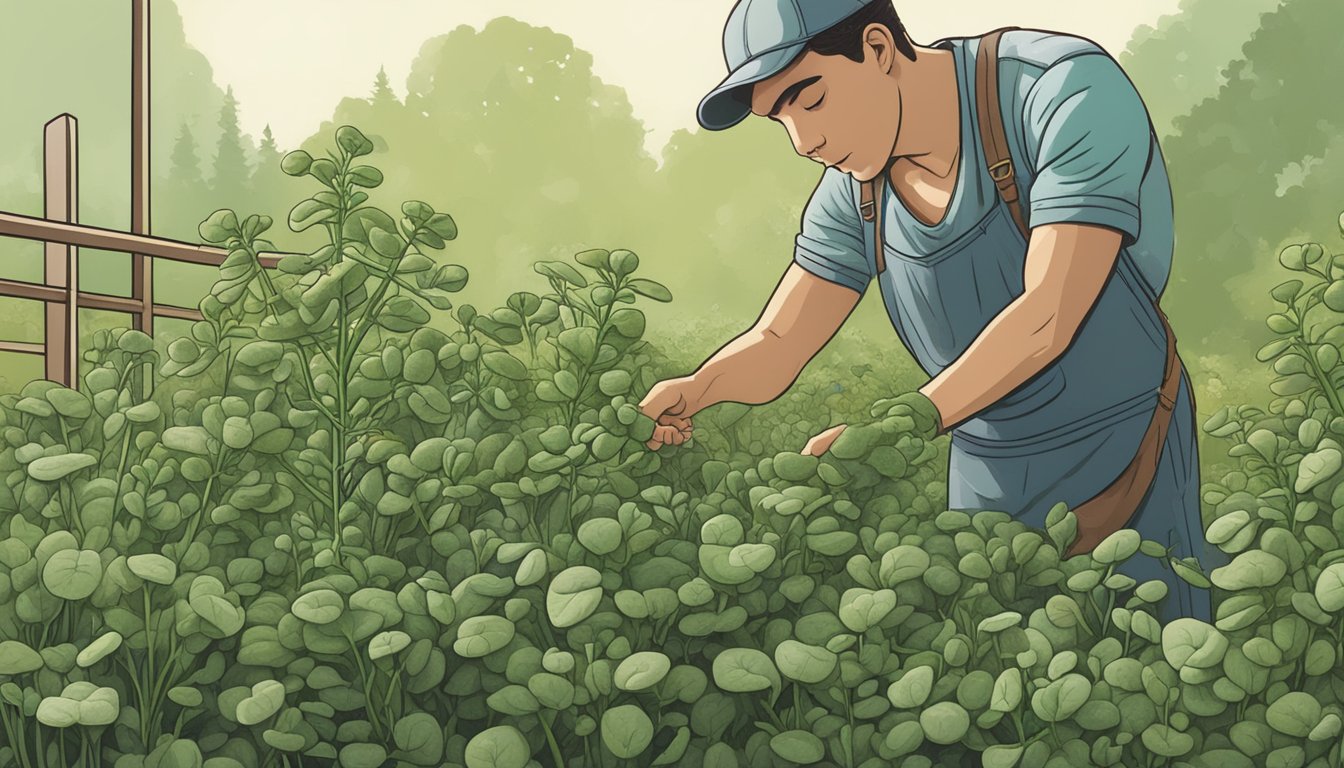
(377, 542)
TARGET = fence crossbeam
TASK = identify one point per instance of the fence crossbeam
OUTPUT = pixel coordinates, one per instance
(85, 236)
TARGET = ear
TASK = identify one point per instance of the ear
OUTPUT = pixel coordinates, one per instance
(878, 42)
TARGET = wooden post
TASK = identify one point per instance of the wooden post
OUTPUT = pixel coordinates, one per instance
(142, 267)
(60, 182)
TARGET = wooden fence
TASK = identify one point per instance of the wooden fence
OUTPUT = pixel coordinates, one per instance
(63, 235)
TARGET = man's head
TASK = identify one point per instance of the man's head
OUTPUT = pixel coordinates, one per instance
(825, 69)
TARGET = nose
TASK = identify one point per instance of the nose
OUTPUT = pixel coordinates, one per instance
(812, 153)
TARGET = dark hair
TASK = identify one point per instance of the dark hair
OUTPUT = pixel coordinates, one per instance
(846, 38)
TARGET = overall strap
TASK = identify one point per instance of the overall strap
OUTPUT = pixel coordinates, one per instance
(871, 209)
(1114, 507)
(992, 135)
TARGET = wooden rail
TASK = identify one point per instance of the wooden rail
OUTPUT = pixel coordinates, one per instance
(62, 234)
(85, 236)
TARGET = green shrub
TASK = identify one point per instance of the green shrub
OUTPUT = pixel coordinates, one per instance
(381, 543)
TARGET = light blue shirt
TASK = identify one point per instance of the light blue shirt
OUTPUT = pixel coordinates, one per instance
(1085, 152)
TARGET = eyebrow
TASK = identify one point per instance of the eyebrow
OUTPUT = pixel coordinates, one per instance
(791, 93)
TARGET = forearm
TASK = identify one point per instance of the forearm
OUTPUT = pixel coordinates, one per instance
(1016, 345)
(754, 368)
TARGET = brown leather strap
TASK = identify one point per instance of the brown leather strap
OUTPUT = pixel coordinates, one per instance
(871, 208)
(1114, 507)
(993, 136)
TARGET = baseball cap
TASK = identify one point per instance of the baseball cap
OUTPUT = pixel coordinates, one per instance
(761, 38)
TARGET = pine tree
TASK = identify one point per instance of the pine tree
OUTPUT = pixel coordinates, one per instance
(382, 91)
(178, 211)
(268, 158)
(231, 170)
(185, 170)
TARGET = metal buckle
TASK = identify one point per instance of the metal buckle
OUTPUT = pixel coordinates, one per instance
(1165, 401)
(1005, 176)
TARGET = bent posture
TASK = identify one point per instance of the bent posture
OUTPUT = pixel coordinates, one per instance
(1046, 352)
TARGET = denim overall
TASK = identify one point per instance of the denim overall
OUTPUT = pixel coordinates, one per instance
(1070, 430)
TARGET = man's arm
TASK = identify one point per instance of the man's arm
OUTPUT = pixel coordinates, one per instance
(803, 314)
(1089, 140)
(1067, 266)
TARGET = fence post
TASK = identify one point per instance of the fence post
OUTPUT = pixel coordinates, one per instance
(60, 182)
(142, 267)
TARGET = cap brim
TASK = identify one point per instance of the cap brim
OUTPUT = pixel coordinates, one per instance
(730, 102)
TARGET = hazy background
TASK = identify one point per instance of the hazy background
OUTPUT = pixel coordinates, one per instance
(665, 55)
(564, 126)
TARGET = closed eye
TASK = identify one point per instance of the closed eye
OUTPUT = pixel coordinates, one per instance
(818, 104)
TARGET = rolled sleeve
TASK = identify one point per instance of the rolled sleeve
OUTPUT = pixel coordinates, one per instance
(830, 243)
(1090, 136)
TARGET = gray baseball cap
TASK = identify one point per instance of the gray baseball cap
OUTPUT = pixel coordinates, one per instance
(761, 38)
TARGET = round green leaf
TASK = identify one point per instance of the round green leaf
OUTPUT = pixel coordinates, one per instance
(1317, 467)
(1191, 642)
(1165, 741)
(387, 643)
(600, 535)
(266, 699)
(499, 747)
(153, 567)
(642, 670)
(626, 730)
(573, 595)
(798, 747)
(805, 663)
(514, 700)
(483, 635)
(1059, 700)
(419, 738)
(1252, 569)
(1000, 621)
(321, 606)
(614, 383)
(1294, 713)
(945, 722)
(72, 574)
(57, 712)
(1330, 588)
(913, 689)
(757, 557)
(17, 658)
(862, 609)
(744, 670)
(1117, 547)
(532, 569)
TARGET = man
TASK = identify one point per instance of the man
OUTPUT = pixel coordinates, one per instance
(1045, 358)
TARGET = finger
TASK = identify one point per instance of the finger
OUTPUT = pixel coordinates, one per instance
(654, 402)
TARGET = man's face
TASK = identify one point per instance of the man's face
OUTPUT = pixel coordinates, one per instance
(837, 111)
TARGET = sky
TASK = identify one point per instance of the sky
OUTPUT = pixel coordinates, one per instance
(300, 57)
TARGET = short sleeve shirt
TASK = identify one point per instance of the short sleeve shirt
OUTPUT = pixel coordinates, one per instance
(1085, 152)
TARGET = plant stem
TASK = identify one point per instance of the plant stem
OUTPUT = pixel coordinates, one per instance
(550, 739)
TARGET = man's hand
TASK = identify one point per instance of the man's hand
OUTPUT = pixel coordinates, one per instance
(670, 404)
(912, 411)
(822, 442)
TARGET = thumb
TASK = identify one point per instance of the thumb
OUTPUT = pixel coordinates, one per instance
(662, 398)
